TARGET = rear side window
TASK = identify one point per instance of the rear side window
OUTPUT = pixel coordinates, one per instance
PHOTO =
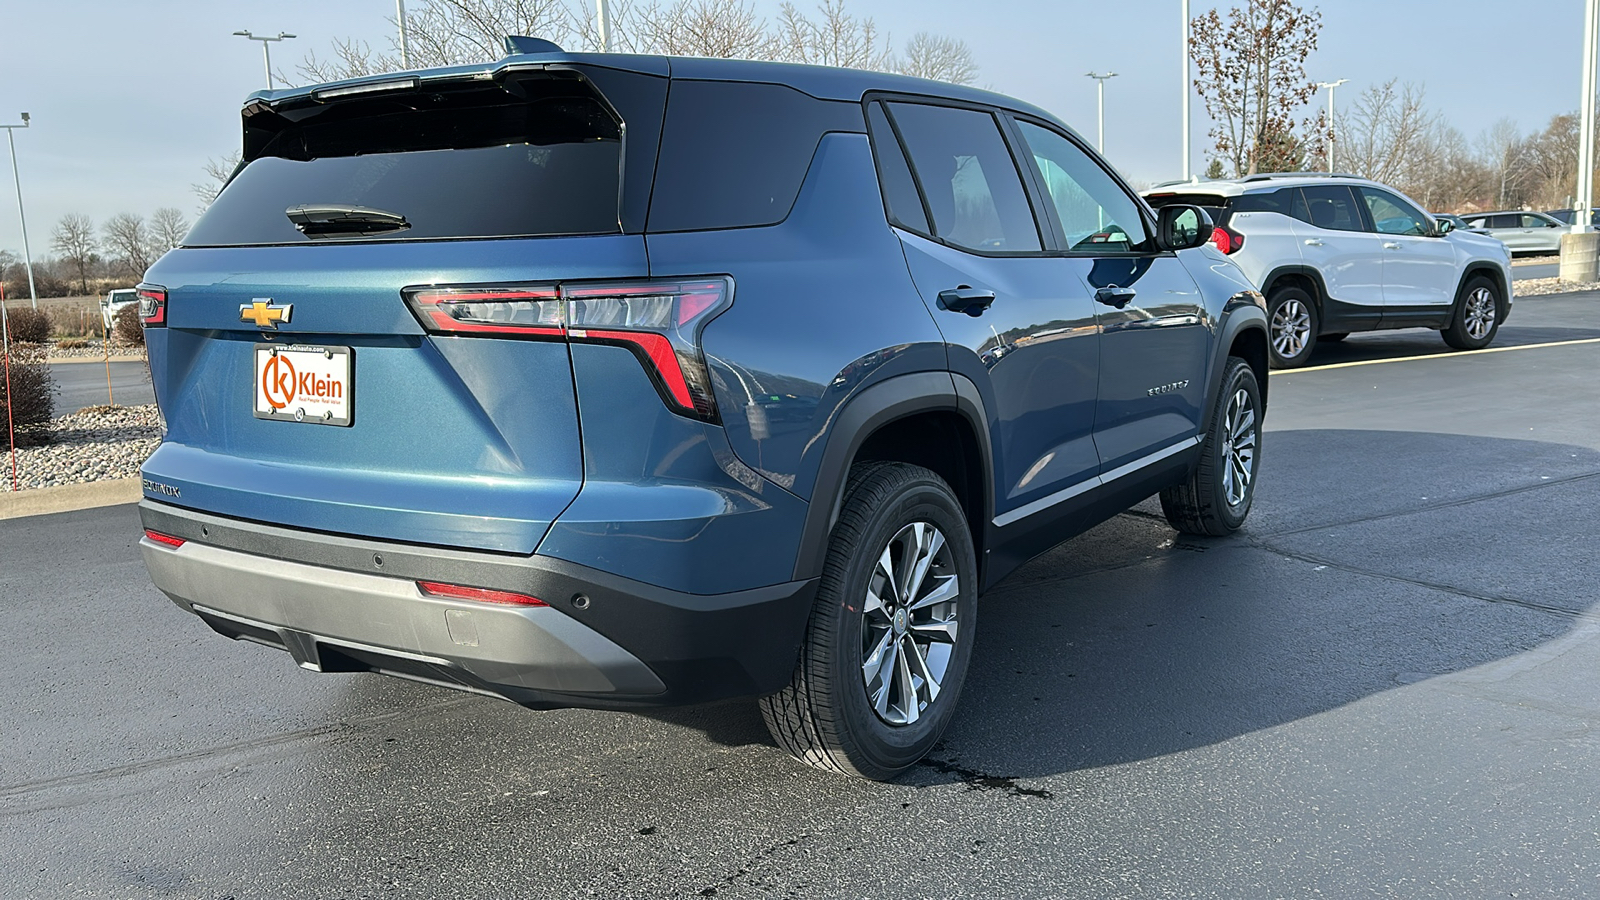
(1280, 201)
(968, 177)
(1333, 207)
(900, 198)
(734, 154)
(539, 156)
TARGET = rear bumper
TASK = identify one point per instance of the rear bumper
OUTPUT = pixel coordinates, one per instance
(346, 604)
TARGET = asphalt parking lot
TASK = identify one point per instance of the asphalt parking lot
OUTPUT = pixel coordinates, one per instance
(82, 383)
(1387, 685)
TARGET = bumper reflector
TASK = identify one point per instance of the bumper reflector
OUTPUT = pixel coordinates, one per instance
(482, 595)
(167, 539)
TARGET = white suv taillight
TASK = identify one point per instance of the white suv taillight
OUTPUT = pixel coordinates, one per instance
(659, 321)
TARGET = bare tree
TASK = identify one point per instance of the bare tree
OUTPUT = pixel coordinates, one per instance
(1250, 72)
(217, 172)
(836, 38)
(128, 242)
(723, 29)
(167, 230)
(1502, 150)
(939, 58)
(73, 239)
(1386, 134)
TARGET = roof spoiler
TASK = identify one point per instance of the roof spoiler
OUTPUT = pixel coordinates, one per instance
(516, 45)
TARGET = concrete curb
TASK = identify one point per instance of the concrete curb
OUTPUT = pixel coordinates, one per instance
(68, 497)
(68, 360)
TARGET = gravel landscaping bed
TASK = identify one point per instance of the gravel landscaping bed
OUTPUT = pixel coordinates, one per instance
(93, 444)
(95, 350)
(1533, 287)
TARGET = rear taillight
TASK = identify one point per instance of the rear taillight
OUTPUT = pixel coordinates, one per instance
(659, 321)
(152, 305)
(1226, 239)
(481, 595)
(166, 539)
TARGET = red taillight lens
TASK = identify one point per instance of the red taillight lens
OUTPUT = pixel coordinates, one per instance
(1227, 240)
(166, 539)
(482, 595)
(152, 306)
(659, 321)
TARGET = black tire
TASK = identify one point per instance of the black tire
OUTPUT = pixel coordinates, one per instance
(1332, 337)
(1208, 503)
(825, 717)
(1292, 323)
(1476, 318)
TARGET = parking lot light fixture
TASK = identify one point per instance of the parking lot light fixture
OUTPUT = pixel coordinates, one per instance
(1100, 86)
(266, 48)
(1333, 134)
(27, 254)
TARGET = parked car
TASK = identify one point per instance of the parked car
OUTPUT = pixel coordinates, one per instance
(752, 391)
(113, 303)
(1526, 233)
(1338, 254)
(1565, 216)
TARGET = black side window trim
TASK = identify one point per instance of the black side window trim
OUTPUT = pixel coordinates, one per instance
(1145, 213)
(916, 181)
(1045, 229)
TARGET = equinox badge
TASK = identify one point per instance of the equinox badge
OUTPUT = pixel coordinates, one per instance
(264, 314)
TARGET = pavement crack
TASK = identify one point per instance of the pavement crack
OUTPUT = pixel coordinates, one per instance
(24, 788)
(981, 781)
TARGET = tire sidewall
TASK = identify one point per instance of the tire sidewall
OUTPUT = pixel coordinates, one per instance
(886, 746)
(1279, 298)
(1240, 375)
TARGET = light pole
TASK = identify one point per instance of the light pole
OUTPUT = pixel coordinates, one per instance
(27, 254)
(1586, 125)
(1333, 130)
(266, 48)
(1100, 86)
(604, 22)
(400, 17)
(1186, 123)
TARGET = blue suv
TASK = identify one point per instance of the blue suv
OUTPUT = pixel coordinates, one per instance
(624, 381)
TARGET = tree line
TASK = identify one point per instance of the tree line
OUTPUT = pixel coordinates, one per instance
(90, 259)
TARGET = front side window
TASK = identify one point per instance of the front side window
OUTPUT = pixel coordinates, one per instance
(1535, 222)
(1391, 215)
(1332, 207)
(1096, 214)
(968, 177)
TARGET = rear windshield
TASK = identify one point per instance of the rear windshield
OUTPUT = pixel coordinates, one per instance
(536, 156)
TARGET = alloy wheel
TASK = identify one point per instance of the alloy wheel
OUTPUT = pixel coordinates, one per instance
(909, 626)
(1291, 328)
(1479, 313)
(1239, 449)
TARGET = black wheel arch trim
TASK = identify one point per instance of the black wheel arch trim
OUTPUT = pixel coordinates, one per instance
(1243, 312)
(1495, 274)
(864, 414)
(1319, 296)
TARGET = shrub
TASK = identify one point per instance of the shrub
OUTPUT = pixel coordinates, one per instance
(130, 328)
(28, 326)
(30, 398)
(72, 343)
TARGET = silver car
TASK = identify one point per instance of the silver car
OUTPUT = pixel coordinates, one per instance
(1531, 233)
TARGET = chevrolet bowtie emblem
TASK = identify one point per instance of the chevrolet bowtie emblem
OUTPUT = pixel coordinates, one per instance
(264, 313)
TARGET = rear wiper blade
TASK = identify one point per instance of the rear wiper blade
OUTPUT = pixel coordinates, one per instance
(320, 220)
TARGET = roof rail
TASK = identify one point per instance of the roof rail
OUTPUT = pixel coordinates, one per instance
(1268, 176)
(516, 45)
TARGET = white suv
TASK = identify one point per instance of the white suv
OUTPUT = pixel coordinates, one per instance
(1335, 254)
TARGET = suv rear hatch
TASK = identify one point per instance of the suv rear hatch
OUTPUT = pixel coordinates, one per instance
(298, 387)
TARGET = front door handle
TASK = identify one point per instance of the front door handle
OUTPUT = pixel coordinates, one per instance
(1391, 245)
(1313, 242)
(967, 299)
(1111, 295)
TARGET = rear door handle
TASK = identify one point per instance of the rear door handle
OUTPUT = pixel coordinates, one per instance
(967, 299)
(1111, 295)
(1313, 242)
(1391, 245)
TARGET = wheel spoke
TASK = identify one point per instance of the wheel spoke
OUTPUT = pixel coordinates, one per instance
(880, 697)
(941, 630)
(933, 540)
(886, 567)
(907, 689)
(919, 665)
(873, 666)
(947, 590)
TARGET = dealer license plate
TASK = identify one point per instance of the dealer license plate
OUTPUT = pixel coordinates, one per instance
(303, 384)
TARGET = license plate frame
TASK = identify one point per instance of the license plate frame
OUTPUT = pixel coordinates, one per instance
(330, 369)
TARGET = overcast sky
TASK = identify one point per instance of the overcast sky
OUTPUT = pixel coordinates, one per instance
(129, 100)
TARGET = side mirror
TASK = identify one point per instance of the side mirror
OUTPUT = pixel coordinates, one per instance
(1443, 226)
(1181, 227)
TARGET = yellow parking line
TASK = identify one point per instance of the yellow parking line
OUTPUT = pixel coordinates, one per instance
(1455, 355)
